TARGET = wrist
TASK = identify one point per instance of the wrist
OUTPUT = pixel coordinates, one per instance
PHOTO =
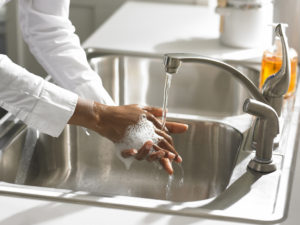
(87, 114)
(98, 114)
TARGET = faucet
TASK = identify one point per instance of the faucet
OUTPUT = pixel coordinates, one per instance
(268, 125)
(266, 106)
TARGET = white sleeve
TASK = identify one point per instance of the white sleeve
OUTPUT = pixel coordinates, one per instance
(50, 36)
(40, 104)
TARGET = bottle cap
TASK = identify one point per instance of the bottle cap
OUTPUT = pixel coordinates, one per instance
(247, 4)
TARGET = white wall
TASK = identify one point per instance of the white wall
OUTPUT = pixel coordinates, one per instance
(86, 15)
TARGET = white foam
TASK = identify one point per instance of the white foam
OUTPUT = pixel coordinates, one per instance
(135, 137)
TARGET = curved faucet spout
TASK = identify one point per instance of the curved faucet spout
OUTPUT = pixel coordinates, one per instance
(268, 125)
(173, 61)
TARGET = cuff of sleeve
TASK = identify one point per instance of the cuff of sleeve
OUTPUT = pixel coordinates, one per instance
(93, 91)
(53, 110)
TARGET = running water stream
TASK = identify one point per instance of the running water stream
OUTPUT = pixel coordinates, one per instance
(175, 181)
(179, 178)
(165, 100)
(144, 130)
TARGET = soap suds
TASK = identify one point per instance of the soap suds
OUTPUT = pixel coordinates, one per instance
(135, 137)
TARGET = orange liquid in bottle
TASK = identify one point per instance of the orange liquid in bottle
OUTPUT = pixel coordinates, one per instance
(271, 65)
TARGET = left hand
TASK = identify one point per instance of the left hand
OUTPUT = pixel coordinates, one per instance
(113, 121)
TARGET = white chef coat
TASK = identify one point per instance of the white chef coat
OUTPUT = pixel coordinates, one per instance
(51, 39)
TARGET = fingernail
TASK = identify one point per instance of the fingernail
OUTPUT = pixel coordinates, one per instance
(171, 156)
(149, 145)
(178, 159)
(134, 152)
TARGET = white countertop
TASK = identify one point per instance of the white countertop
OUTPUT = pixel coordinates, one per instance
(148, 34)
(154, 28)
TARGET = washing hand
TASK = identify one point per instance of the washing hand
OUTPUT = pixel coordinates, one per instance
(112, 122)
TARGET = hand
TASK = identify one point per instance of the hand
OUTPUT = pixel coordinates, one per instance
(112, 122)
(164, 156)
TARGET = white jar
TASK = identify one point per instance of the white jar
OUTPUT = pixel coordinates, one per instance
(245, 23)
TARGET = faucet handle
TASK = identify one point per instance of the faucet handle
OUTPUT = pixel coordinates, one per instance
(277, 85)
(279, 29)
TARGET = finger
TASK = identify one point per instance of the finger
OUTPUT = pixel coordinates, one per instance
(153, 110)
(165, 136)
(163, 143)
(174, 127)
(178, 159)
(156, 155)
(162, 154)
(144, 151)
(166, 153)
(129, 152)
(157, 123)
(165, 162)
(171, 156)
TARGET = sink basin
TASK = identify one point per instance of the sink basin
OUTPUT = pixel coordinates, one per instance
(88, 163)
(213, 180)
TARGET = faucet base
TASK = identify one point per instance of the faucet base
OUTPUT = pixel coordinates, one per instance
(261, 167)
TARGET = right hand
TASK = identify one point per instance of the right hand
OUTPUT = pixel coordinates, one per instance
(164, 151)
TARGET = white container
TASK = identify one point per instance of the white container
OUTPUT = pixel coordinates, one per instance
(245, 23)
(288, 11)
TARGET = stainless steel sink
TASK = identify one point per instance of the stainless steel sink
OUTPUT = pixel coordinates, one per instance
(212, 181)
(88, 163)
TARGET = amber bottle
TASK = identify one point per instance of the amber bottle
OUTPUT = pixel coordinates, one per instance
(271, 63)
